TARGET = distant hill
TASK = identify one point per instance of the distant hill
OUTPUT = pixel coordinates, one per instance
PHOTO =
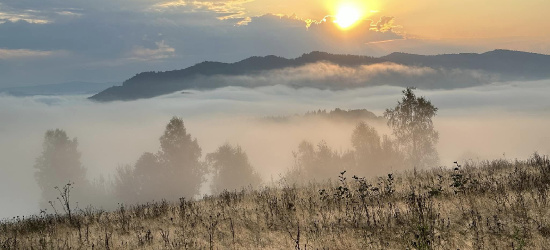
(509, 63)
(449, 71)
(69, 88)
(337, 115)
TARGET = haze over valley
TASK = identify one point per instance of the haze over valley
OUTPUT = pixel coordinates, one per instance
(263, 124)
(499, 120)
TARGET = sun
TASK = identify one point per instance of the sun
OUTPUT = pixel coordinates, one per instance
(347, 16)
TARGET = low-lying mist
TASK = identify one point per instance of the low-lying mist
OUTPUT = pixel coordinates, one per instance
(325, 75)
(501, 120)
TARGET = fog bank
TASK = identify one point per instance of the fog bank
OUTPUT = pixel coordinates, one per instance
(499, 120)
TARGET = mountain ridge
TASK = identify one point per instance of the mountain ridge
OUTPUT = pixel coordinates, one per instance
(507, 64)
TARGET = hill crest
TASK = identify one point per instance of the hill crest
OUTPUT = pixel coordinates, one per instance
(506, 65)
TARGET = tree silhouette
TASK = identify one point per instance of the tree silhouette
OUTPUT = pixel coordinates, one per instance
(174, 172)
(366, 143)
(126, 186)
(411, 121)
(366, 140)
(373, 155)
(317, 163)
(58, 165)
(179, 159)
(231, 169)
(142, 182)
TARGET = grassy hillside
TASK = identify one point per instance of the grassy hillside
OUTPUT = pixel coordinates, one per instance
(490, 205)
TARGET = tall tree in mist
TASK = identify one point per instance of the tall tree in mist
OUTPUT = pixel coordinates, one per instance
(180, 159)
(411, 121)
(231, 169)
(58, 165)
(174, 172)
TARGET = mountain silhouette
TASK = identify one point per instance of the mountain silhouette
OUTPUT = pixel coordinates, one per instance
(507, 62)
(497, 65)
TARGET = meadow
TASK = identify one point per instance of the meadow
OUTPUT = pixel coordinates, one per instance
(499, 204)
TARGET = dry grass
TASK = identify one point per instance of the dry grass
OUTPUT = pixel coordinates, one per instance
(488, 205)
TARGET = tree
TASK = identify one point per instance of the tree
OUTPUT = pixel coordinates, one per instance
(231, 169)
(174, 172)
(365, 140)
(58, 165)
(317, 163)
(141, 183)
(392, 157)
(373, 155)
(411, 121)
(366, 143)
(126, 185)
(178, 158)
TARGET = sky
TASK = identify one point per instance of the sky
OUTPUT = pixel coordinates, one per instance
(54, 41)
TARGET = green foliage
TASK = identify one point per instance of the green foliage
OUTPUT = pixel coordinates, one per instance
(411, 121)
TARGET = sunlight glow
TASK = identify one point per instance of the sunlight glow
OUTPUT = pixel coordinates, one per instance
(347, 16)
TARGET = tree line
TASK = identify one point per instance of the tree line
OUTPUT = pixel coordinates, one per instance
(178, 170)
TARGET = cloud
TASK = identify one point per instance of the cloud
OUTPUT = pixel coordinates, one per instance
(102, 46)
(385, 24)
(227, 9)
(69, 13)
(171, 4)
(109, 41)
(25, 53)
(325, 75)
(290, 36)
(29, 16)
(162, 51)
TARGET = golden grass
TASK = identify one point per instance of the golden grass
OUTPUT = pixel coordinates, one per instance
(489, 205)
